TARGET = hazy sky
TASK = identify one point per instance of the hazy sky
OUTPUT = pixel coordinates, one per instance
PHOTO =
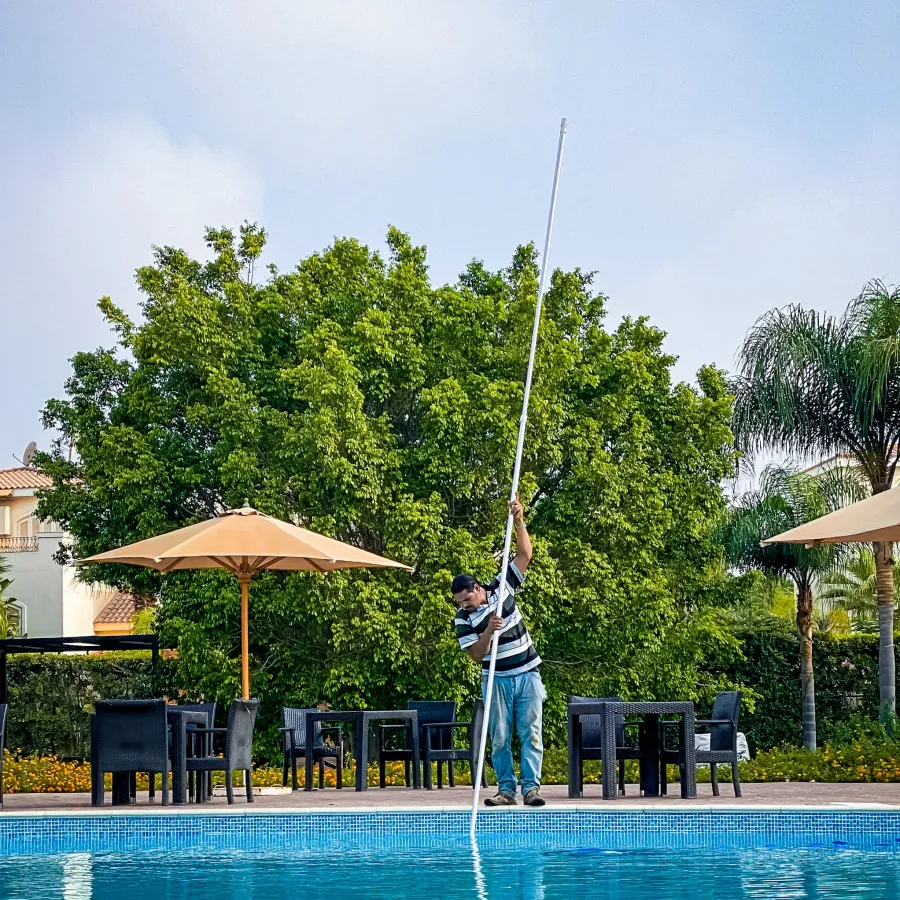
(722, 158)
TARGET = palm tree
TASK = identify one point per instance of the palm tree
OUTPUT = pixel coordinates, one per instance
(810, 384)
(853, 587)
(787, 498)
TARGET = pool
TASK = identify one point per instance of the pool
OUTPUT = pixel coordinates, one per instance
(532, 856)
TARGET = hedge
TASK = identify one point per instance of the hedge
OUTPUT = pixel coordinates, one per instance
(846, 676)
(51, 696)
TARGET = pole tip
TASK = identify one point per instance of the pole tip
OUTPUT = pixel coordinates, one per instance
(563, 125)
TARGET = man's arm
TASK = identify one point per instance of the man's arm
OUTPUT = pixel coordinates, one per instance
(480, 649)
(523, 541)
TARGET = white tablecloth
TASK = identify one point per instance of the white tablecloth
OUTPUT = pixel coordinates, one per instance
(701, 742)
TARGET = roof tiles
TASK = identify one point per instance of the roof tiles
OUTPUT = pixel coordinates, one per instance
(23, 477)
(121, 608)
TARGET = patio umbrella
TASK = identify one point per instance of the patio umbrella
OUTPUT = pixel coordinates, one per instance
(245, 542)
(877, 518)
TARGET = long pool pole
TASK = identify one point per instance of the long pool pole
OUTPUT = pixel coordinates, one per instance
(523, 421)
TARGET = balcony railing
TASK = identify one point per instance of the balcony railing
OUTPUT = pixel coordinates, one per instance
(18, 544)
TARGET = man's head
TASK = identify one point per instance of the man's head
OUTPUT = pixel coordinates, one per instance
(467, 593)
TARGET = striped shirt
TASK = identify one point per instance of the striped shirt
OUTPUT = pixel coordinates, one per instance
(515, 652)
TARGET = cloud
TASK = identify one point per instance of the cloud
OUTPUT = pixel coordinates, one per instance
(80, 218)
(380, 74)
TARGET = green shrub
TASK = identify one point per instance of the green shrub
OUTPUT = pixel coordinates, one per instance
(846, 670)
(51, 697)
(863, 760)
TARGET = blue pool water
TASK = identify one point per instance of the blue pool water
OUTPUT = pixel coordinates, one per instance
(619, 856)
(449, 874)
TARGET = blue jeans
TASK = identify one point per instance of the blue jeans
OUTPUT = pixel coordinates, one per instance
(518, 698)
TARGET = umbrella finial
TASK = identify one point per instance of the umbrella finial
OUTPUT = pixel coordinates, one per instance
(246, 504)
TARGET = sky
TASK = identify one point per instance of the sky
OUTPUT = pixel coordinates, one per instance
(722, 158)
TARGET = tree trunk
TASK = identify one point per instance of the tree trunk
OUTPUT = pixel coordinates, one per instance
(807, 676)
(887, 676)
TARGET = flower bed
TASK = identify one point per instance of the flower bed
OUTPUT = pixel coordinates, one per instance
(860, 761)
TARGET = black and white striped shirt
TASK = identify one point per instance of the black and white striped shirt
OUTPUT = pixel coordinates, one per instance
(515, 652)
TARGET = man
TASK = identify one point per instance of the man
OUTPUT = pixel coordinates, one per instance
(518, 691)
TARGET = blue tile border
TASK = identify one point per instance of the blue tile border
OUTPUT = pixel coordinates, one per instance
(869, 830)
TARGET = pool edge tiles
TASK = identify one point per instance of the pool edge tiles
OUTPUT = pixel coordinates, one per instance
(557, 829)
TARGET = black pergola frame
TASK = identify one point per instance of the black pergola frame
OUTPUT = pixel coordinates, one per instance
(85, 644)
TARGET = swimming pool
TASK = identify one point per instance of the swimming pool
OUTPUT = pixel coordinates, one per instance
(532, 856)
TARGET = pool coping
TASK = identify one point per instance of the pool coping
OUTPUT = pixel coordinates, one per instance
(562, 826)
(555, 809)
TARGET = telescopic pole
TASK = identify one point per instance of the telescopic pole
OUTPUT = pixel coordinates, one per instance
(523, 421)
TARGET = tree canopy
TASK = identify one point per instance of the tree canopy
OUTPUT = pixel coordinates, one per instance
(353, 397)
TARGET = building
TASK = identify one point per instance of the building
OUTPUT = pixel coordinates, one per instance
(50, 601)
(838, 461)
(844, 461)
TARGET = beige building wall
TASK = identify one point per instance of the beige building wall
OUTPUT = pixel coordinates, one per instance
(55, 603)
(81, 603)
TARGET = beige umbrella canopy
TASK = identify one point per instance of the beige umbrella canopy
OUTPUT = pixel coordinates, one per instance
(877, 518)
(245, 542)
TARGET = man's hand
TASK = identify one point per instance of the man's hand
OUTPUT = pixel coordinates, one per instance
(523, 541)
(480, 649)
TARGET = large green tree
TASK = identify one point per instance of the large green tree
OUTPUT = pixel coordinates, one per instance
(352, 396)
(812, 384)
(784, 499)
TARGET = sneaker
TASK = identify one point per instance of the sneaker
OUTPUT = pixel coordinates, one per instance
(534, 798)
(500, 799)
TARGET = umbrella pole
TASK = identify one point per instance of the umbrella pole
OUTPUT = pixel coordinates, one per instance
(507, 544)
(245, 635)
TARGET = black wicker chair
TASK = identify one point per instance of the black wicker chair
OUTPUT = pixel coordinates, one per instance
(293, 733)
(200, 745)
(238, 746)
(592, 738)
(197, 745)
(429, 712)
(2, 745)
(723, 731)
(450, 754)
(129, 736)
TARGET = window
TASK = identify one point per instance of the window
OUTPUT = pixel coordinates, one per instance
(17, 615)
(29, 526)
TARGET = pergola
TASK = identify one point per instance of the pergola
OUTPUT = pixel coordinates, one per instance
(86, 644)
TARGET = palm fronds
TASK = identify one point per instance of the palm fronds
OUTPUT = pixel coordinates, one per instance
(809, 383)
(786, 498)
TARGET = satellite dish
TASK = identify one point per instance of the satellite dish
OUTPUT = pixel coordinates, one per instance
(28, 455)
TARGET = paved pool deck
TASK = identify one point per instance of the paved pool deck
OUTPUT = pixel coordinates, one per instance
(792, 795)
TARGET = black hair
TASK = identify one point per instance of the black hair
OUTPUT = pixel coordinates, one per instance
(463, 583)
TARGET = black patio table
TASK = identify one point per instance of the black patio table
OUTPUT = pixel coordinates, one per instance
(360, 720)
(178, 720)
(650, 745)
